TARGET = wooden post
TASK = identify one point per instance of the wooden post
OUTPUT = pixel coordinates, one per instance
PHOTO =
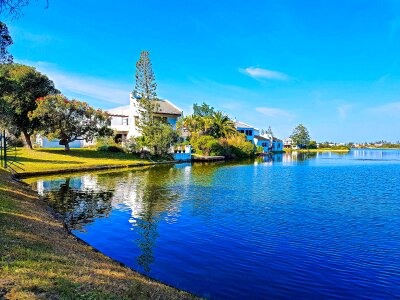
(1, 148)
(5, 149)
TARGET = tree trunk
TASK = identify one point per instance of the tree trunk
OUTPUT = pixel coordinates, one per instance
(66, 147)
(28, 140)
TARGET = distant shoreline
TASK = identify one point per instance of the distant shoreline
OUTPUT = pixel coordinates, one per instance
(376, 148)
(317, 150)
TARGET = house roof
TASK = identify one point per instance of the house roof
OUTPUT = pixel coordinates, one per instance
(244, 125)
(166, 107)
(260, 138)
(121, 111)
(277, 140)
(163, 107)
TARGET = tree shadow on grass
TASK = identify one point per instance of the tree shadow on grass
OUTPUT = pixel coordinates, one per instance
(48, 161)
(84, 153)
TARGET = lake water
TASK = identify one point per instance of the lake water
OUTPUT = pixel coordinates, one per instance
(287, 226)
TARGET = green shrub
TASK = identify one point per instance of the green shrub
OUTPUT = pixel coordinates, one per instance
(106, 148)
(237, 146)
(312, 145)
(205, 144)
(259, 149)
(105, 141)
(340, 148)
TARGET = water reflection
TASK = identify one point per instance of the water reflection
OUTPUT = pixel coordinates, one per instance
(240, 229)
(148, 195)
(77, 207)
(286, 158)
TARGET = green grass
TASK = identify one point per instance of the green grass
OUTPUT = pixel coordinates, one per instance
(41, 160)
(39, 259)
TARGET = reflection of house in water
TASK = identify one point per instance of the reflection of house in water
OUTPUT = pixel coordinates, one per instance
(78, 200)
(85, 182)
(149, 197)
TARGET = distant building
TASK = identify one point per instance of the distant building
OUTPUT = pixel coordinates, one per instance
(247, 129)
(266, 141)
(287, 143)
(44, 142)
(124, 119)
(263, 142)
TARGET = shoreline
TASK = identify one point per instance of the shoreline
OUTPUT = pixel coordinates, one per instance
(317, 150)
(22, 175)
(40, 257)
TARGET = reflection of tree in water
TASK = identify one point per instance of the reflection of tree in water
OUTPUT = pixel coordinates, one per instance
(156, 194)
(303, 156)
(79, 208)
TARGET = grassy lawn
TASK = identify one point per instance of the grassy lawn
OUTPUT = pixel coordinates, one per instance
(39, 160)
(40, 260)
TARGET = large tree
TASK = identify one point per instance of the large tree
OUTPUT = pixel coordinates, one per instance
(222, 125)
(203, 110)
(145, 93)
(269, 131)
(157, 134)
(217, 125)
(13, 7)
(5, 42)
(20, 86)
(300, 136)
(145, 86)
(69, 120)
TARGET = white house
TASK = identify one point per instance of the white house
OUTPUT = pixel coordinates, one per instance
(267, 141)
(124, 119)
(248, 130)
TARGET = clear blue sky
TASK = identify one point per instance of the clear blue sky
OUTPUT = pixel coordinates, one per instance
(332, 65)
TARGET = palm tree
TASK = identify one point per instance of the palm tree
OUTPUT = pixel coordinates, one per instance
(222, 125)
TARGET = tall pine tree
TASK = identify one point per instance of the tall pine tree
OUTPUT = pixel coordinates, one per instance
(146, 85)
(5, 42)
(154, 130)
(269, 131)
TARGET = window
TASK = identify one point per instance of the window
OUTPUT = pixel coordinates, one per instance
(241, 131)
(264, 144)
(125, 121)
(249, 132)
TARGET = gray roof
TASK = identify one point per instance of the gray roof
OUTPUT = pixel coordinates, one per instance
(166, 107)
(261, 138)
(163, 107)
(121, 111)
(242, 125)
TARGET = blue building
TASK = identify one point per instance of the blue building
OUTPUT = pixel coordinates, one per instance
(268, 142)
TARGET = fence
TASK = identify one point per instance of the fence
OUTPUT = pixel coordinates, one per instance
(3, 149)
(8, 153)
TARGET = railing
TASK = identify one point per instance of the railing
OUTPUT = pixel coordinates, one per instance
(8, 153)
(3, 149)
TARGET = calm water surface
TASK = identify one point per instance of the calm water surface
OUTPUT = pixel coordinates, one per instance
(287, 226)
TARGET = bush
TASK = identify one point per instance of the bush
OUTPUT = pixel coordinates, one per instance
(237, 146)
(134, 145)
(259, 149)
(312, 145)
(340, 148)
(105, 141)
(106, 148)
(205, 144)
